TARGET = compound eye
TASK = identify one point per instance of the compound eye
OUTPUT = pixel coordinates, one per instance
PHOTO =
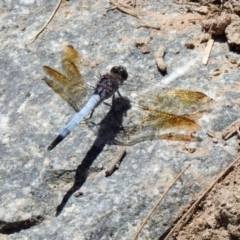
(124, 73)
(114, 70)
(120, 71)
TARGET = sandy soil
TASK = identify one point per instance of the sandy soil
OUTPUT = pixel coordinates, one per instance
(218, 215)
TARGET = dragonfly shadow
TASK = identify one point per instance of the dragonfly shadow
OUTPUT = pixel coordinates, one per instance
(106, 131)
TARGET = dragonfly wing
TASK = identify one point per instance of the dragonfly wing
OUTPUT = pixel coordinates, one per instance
(82, 68)
(164, 121)
(68, 88)
(165, 114)
(71, 85)
(71, 63)
(71, 54)
(61, 91)
(159, 125)
(177, 101)
(168, 136)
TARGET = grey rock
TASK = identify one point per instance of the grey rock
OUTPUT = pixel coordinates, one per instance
(37, 187)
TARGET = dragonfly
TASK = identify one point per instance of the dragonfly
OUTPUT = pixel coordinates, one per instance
(156, 114)
(70, 85)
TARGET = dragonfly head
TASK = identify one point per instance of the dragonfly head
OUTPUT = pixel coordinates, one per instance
(120, 71)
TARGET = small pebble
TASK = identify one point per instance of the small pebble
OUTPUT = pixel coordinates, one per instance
(78, 194)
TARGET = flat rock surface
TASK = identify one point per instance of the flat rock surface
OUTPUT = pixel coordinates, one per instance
(38, 188)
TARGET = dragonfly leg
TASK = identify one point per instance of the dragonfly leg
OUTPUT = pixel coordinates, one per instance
(119, 94)
(86, 119)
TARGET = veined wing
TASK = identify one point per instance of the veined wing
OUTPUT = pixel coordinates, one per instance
(70, 54)
(70, 85)
(172, 117)
(70, 91)
(158, 125)
(176, 101)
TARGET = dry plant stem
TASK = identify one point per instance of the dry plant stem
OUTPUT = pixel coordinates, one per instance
(159, 201)
(148, 26)
(48, 21)
(126, 9)
(186, 217)
(232, 129)
(207, 51)
(187, 3)
(116, 162)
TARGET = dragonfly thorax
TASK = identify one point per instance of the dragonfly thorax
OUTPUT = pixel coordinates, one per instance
(107, 86)
(109, 83)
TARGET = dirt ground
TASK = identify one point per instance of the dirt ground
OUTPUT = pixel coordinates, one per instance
(218, 215)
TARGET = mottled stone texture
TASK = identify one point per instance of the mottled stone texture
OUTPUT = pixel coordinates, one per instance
(36, 185)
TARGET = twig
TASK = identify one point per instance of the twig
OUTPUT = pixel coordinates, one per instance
(191, 211)
(116, 162)
(48, 21)
(207, 51)
(159, 201)
(125, 9)
(232, 129)
(148, 26)
(186, 3)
